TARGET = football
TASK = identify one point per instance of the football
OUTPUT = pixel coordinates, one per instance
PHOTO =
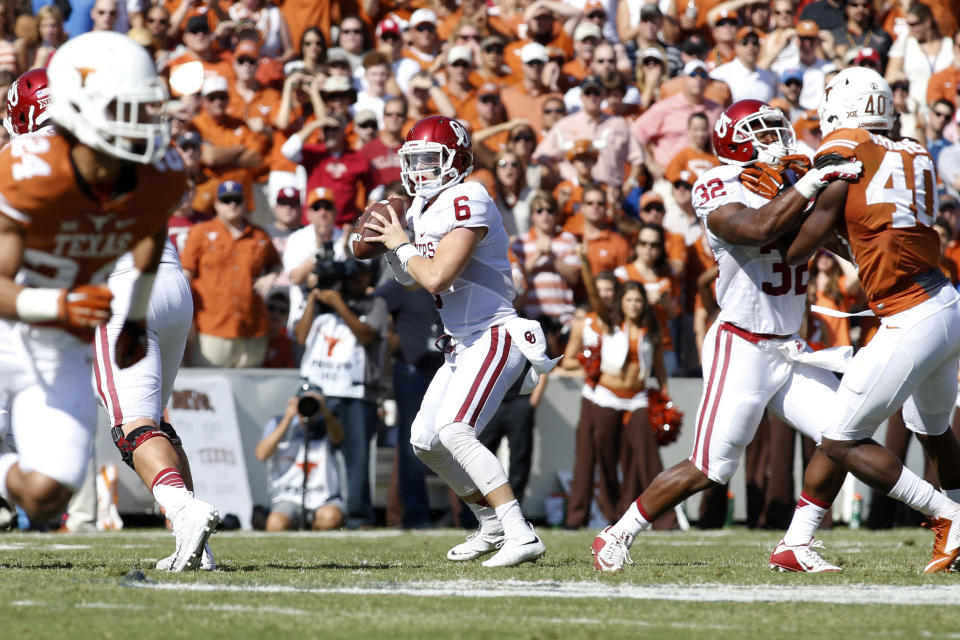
(366, 250)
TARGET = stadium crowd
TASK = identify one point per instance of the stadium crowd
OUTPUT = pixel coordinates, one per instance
(591, 122)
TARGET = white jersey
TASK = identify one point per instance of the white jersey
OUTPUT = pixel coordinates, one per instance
(756, 290)
(169, 256)
(482, 295)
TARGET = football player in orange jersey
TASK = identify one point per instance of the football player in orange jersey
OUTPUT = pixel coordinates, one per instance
(885, 219)
(73, 202)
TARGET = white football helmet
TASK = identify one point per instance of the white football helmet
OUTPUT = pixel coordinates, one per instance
(857, 98)
(105, 91)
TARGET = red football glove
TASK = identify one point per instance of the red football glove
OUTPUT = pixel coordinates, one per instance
(86, 306)
(131, 343)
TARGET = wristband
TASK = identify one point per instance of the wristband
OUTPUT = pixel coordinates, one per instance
(404, 252)
(140, 294)
(39, 305)
(809, 184)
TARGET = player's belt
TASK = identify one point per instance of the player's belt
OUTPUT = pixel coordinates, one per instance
(749, 336)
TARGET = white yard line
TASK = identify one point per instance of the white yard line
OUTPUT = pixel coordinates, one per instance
(932, 595)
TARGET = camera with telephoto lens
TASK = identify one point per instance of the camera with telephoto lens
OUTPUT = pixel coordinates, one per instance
(327, 270)
(307, 404)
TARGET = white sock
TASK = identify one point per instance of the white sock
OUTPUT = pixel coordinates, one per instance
(920, 495)
(806, 519)
(487, 517)
(515, 527)
(7, 460)
(170, 491)
(633, 521)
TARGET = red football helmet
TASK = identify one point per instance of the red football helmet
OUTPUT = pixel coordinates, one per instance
(750, 131)
(436, 154)
(27, 101)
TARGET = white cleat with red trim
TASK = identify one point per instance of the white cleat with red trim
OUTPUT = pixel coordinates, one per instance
(611, 551)
(803, 558)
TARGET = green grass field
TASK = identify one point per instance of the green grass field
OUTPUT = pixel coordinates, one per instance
(389, 584)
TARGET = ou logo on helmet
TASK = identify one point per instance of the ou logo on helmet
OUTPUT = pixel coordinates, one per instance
(723, 123)
(13, 96)
(462, 138)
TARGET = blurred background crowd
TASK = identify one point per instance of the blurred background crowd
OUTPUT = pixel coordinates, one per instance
(591, 121)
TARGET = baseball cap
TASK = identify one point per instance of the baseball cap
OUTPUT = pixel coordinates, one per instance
(694, 45)
(593, 5)
(592, 80)
(189, 138)
(229, 188)
(388, 25)
(586, 30)
(317, 194)
(807, 29)
(488, 89)
(197, 22)
(246, 48)
(214, 84)
(289, 195)
(650, 10)
(684, 175)
(694, 65)
(743, 32)
(533, 51)
(650, 197)
(422, 15)
(726, 14)
(581, 148)
(364, 115)
(459, 52)
(651, 52)
(867, 53)
(791, 74)
(337, 84)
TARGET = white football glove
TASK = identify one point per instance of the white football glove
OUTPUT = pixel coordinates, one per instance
(399, 273)
(819, 177)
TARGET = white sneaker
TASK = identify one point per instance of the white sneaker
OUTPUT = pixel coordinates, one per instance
(514, 552)
(207, 562)
(803, 558)
(611, 551)
(193, 525)
(477, 545)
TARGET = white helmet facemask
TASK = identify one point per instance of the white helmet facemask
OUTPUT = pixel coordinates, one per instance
(768, 130)
(857, 98)
(426, 168)
(105, 91)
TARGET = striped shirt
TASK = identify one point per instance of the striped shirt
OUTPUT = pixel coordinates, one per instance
(548, 294)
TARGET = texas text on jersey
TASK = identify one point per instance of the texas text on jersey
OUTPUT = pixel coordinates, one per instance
(72, 235)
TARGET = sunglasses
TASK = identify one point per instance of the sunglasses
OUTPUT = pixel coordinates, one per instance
(330, 128)
(104, 12)
(338, 95)
(157, 20)
(322, 204)
(728, 23)
(680, 184)
(460, 63)
(196, 30)
(390, 36)
(246, 60)
(493, 49)
(699, 73)
(597, 15)
(523, 138)
(557, 111)
(654, 207)
(868, 63)
(220, 95)
(794, 83)
(503, 164)
(649, 18)
(424, 27)
(591, 91)
(651, 62)
(369, 124)
(534, 63)
(231, 199)
(750, 42)
(288, 203)
(490, 100)
(272, 308)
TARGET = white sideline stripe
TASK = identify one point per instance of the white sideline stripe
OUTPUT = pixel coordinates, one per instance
(852, 594)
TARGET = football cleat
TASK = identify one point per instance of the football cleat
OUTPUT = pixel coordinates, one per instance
(207, 562)
(193, 525)
(801, 558)
(477, 545)
(514, 552)
(611, 551)
(946, 543)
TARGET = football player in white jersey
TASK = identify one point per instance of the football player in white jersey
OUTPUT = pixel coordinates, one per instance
(460, 257)
(753, 358)
(135, 397)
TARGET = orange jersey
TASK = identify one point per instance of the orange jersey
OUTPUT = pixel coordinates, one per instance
(887, 218)
(72, 237)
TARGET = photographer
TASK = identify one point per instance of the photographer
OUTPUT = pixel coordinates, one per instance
(343, 331)
(300, 252)
(313, 500)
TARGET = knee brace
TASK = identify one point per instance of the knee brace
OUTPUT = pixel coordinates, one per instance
(127, 443)
(477, 461)
(439, 460)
